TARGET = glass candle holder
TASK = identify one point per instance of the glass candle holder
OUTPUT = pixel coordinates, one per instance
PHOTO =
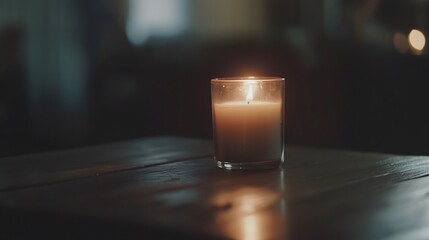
(248, 122)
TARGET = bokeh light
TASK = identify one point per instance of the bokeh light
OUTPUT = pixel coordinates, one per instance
(416, 40)
(400, 42)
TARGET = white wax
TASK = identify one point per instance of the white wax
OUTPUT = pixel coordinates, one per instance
(248, 131)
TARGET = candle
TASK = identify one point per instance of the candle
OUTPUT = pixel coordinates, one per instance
(248, 122)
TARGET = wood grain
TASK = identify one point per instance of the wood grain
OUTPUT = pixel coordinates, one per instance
(43, 168)
(319, 194)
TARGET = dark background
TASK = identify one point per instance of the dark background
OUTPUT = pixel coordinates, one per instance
(83, 72)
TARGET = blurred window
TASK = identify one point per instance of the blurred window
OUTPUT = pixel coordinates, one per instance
(155, 18)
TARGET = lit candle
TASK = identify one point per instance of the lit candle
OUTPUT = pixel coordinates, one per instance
(248, 122)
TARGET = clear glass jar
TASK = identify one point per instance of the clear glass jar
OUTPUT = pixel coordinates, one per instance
(248, 122)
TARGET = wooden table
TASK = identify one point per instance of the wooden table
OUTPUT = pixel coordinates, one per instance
(169, 188)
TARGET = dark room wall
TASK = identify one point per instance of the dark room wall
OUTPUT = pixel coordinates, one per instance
(82, 72)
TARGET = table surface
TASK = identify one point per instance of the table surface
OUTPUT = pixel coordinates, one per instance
(169, 187)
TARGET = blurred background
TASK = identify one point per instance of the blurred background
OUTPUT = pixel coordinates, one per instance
(82, 72)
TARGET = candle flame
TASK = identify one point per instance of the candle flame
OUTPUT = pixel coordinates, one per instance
(249, 96)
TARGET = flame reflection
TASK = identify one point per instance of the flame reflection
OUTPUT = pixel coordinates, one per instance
(246, 215)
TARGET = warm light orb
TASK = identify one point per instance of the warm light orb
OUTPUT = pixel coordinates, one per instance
(400, 42)
(416, 40)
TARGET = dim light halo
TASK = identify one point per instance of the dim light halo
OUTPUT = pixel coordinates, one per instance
(245, 79)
